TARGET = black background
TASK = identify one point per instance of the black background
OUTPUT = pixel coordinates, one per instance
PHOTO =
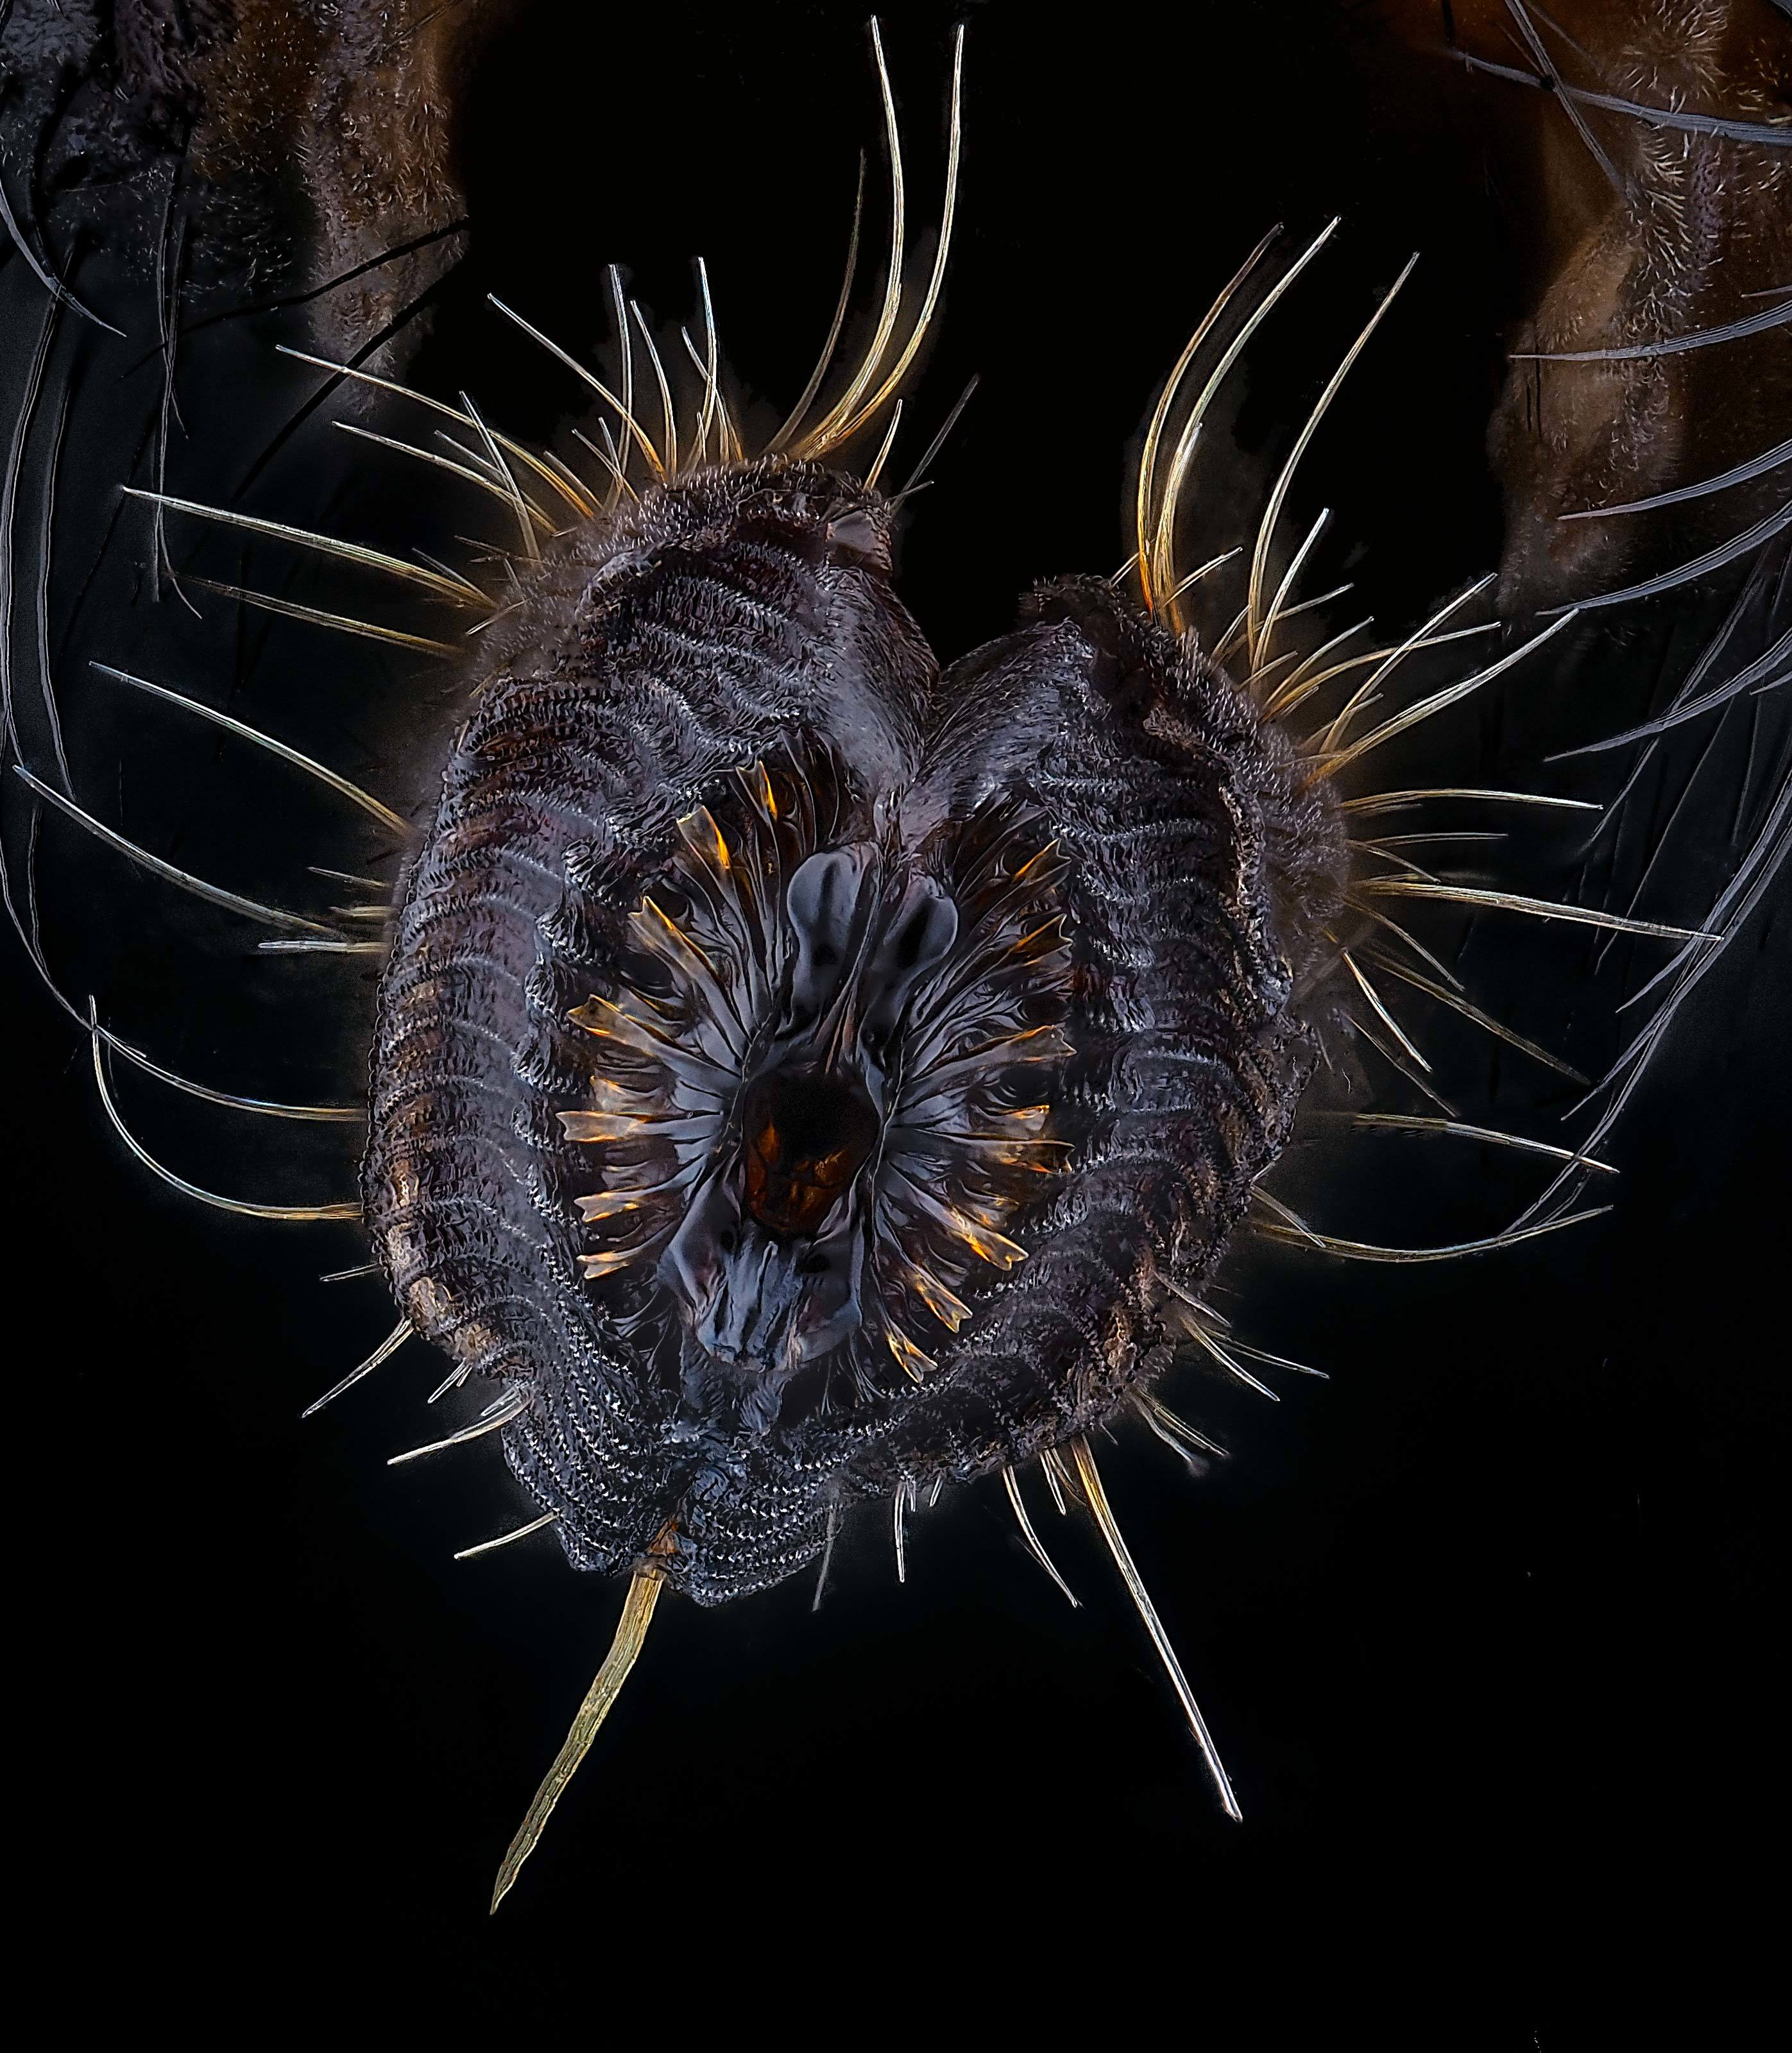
(1483, 1626)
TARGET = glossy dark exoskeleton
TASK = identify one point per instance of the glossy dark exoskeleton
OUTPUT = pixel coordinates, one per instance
(730, 1370)
(1075, 875)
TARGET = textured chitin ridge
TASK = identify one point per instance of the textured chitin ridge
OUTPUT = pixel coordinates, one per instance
(657, 655)
(1198, 876)
(800, 1076)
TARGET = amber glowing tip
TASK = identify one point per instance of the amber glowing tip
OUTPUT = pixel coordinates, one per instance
(625, 1650)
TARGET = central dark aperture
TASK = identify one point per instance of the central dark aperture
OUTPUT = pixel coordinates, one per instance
(808, 1134)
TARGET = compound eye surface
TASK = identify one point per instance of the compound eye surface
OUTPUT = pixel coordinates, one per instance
(807, 1136)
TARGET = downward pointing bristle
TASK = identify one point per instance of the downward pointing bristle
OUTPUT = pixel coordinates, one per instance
(1097, 1498)
(625, 1650)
